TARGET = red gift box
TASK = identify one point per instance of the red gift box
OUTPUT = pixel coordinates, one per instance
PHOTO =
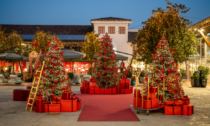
(97, 90)
(92, 83)
(186, 100)
(83, 90)
(66, 95)
(179, 102)
(153, 89)
(168, 110)
(169, 102)
(188, 110)
(131, 89)
(108, 91)
(74, 105)
(54, 107)
(91, 89)
(39, 105)
(66, 105)
(122, 91)
(127, 86)
(138, 93)
(149, 102)
(139, 101)
(79, 105)
(123, 82)
(101, 91)
(177, 110)
(118, 89)
(114, 90)
(127, 91)
(152, 95)
(56, 100)
(155, 103)
(46, 107)
(83, 84)
(86, 90)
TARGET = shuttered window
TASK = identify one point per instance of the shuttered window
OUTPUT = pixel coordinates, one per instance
(101, 29)
(121, 30)
(111, 30)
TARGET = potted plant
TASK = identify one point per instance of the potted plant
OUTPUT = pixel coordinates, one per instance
(133, 81)
(183, 74)
(70, 76)
(204, 74)
(196, 79)
(89, 71)
(192, 81)
(142, 76)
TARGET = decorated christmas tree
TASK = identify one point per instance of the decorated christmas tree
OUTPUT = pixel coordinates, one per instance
(54, 79)
(163, 67)
(105, 69)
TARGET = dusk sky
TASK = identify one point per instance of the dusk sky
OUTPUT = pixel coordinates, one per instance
(80, 12)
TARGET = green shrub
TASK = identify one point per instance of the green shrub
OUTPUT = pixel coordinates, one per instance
(89, 71)
(70, 75)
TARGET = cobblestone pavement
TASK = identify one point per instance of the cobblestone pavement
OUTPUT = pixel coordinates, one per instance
(13, 113)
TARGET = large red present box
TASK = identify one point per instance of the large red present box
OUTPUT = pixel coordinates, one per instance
(74, 105)
(101, 91)
(66, 105)
(39, 105)
(54, 107)
(114, 90)
(153, 89)
(92, 83)
(154, 103)
(127, 91)
(149, 102)
(138, 102)
(83, 84)
(138, 93)
(122, 91)
(91, 89)
(186, 100)
(188, 110)
(177, 110)
(118, 89)
(124, 77)
(108, 91)
(168, 110)
(97, 90)
(79, 105)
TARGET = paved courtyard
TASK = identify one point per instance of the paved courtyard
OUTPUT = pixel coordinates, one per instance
(13, 113)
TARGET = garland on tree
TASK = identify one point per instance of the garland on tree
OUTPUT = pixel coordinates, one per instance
(105, 70)
(164, 65)
(54, 79)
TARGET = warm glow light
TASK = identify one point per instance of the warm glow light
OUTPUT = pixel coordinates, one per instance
(5, 68)
(25, 69)
(195, 29)
(83, 69)
(67, 69)
(202, 30)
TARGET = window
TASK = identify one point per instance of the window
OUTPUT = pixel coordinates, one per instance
(121, 30)
(111, 30)
(101, 29)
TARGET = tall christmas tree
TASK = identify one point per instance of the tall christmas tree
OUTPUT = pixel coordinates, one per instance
(164, 65)
(54, 79)
(105, 70)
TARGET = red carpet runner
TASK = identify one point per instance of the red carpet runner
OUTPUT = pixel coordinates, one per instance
(107, 107)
